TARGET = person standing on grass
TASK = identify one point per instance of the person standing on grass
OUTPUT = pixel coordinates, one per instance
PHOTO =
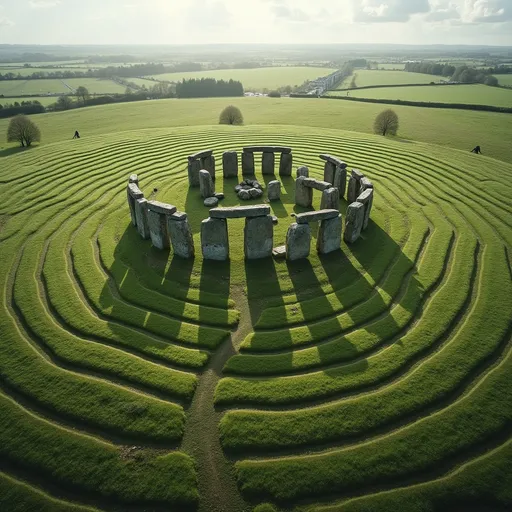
(77, 135)
(476, 150)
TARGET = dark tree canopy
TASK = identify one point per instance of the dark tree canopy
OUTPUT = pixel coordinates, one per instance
(23, 130)
(231, 115)
(82, 93)
(386, 123)
(208, 88)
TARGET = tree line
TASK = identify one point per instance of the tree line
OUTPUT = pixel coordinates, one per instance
(208, 88)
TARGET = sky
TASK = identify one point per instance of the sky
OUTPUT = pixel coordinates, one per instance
(486, 22)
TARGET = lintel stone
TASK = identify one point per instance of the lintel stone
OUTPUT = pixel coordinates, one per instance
(238, 212)
(267, 149)
(135, 191)
(357, 174)
(163, 208)
(316, 184)
(307, 217)
(334, 160)
(133, 179)
(201, 154)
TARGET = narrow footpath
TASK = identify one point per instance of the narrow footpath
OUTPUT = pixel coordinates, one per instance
(218, 491)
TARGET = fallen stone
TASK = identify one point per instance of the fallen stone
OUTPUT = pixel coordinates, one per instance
(219, 195)
(303, 171)
(238, 212)
(133, 179)
(329, 235)
(340, 180)
(230, 164)
(135, 191)
(286, 164)
(258, 237)
(298, 241)
(316, 184)
(244, 195)
(329, 170)
(366, 198)
(303, 194)
(330, 199)
(206, 187)
(279, 252)
(307, 217)
(247, 163)
(255, 193)
(336, 161)
(274, 190)
(267, 149)
(158, 207)
(238, 188)
(214, 239)
(158, 229)
(200, 154)
(181, 237)
(141, 215)
(267, 163)
(353, 222)
(211, 202)
(194, 166)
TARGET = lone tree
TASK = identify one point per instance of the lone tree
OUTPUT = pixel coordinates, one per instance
(82, 93)
(23, 130)
(64, 102)
(231, 115)
(386, 123)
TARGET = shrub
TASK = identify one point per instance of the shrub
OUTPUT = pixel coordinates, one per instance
(23, 130)
(274, 94)
(386, 123)
(491, 80)
(231, 115)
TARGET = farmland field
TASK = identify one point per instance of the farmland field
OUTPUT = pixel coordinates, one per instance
(504, 79)
(58, 86)
(475, 94)
(365, 77)
(395, 66)
(44, 100)
(29, 71)
(257, 79)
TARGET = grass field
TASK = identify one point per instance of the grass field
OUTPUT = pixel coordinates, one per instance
(504, 79)
(395, 66)
(256, 79)
(54, 86)
(470, 94)
(365, 77)
(44, 100)
(374, 378)
(29, 71)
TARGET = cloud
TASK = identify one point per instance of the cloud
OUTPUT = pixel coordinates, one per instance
(44, 4)
(282, 10)
(372, 11)
(487, 11)
(6, 22)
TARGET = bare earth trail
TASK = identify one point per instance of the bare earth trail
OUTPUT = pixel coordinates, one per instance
(218, 491)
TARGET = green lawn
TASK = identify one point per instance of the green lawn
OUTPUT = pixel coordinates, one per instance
(256, 79)
(44, 100)
(504, 79)
(57, 86)
(470, 94)
(365, 77)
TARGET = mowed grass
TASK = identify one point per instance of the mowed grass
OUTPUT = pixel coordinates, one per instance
(366, 77)
(255, 79)
(452, 128)
(58, 86)
(504, 79)
(474, 94)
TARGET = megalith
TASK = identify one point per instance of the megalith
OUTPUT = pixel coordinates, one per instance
(365, 184)
(354, 185)
(181, 235)
(329, 170)
(298, 241)
(353, 222)
(194, 166)
(329, 235)
(258, 237)
(248, 163)
(303, 193)
(330, 199)
(157, 222)
(133, 193)
(141, 214)
(340, 180)
(285, 164)
(208, 163)
(303, 171)
(366, 198)
(230, 164)
(133, 179)
(267, 163)
(214, 239)
(274, 190)
(206, 187)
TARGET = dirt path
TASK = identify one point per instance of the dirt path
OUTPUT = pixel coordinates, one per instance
(218, 491)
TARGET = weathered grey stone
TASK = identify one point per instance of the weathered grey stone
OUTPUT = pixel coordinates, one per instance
(305, 218)
(366, 198)
(275, 220)
(200, 154)
(206, 184)
(135, 191)
(230, 164)
(317, 184)
(329, 170)
(238, 212)
(211, 202)
(133, 179)
(244, 195)
(219, 196)
(353, 222)
(336, 161)
(330, 199)
(208, 163)
(131, 205)
(256, 193)
(258, 237)
(353, 189)
(178, 216)
(329, 235)
(141, 214)
(274, 190)
(194, 166)
(303, 171)
(298, 241)
(303, 194)
(214, 239)
(238, 188)
(247, 163)
(158, 207)
(279, 252)
(181, 237)
(357, 174)
(365, 184)
(267, 163)
(267, 149)
(340, 180)
(285, 164)
(157, 223)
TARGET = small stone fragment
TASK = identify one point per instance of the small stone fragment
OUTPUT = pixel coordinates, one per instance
(219, 195)
(279, 252)
(211, 202)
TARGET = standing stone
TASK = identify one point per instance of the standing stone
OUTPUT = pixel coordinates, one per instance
(366, 198)
(206, 184)
(248, 163)
(298, 241)
(131, 205)
(194, 167)
(354, 222)
(365, 184)
(214, 239)
(230, 164)
(340, 180)
(329, 235)
(133, 179)
(353, 189)
(158, 229)
(285, 164)
(329, 170)
(181, 235)
(274, 190)
(330, 199)
(267, 163)
(141, 213)
(303, 171)
(303, 194)
(208, 163)
(258, 237)
(357, 174)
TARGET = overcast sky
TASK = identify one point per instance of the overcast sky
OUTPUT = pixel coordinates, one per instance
(256, 21)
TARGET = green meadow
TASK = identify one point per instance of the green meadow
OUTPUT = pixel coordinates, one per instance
(366, 77)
